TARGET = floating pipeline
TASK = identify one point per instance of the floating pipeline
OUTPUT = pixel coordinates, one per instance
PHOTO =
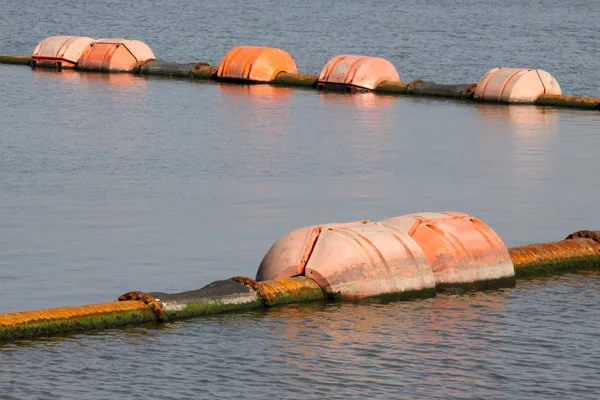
(580, 250)
(346, 72)
(15, 60)
(237, 294)
(406, 257)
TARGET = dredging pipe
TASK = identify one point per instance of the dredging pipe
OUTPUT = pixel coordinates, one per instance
(578, 251)
(249, 65)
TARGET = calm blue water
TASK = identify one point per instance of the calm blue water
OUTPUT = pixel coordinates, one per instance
(117, 183)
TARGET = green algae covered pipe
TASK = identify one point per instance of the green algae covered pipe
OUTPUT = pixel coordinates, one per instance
(553, 100)
(16, 60)
(580, 250)
(218, 297)
(296, 80)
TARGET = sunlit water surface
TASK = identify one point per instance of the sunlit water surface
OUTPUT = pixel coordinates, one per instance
(117, 183)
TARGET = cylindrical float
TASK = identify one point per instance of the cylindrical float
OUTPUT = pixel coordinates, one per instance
(255, 64)
(114, 55)
(515, 85)
(60, 51)
(353, 71)
(352, 260)
(462, 250)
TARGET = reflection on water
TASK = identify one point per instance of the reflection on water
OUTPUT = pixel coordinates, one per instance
(526, 120)
(358, 100)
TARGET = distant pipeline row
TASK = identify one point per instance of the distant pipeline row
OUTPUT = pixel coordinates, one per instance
(248, 64)
(400, 258)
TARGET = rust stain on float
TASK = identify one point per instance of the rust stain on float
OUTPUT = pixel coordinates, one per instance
(258, 64)
(11, 319)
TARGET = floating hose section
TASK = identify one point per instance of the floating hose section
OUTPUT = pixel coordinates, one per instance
(298, 289)
(30, 324)
(580, 250)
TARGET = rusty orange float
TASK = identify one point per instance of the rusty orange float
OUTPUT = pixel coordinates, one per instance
(357, 71)
(460, 248)
(515, 85)
(351, 261)
(114, 55)
(59, 51)
(257, 64)
(288, 255)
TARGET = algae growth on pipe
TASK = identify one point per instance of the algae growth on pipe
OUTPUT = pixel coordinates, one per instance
(252, 64)
(399, 258)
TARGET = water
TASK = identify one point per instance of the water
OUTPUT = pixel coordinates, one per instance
(454, 41)
(117, 183)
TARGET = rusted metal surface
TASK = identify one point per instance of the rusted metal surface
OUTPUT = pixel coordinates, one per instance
(565, 255)
(358, 71)
(594, 235)
(258, 64)
(282, 291)
(591, 103)
(51, 314)
(147, 299)
(515, 85)
(295, 80)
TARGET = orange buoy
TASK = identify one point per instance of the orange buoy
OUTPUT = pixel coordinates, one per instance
(515, 85)
(288, 255)
(258, 64)
(358, 71)
(352, 260)
(59, 51)
(367, 260)
(114, 55)
(460, 248)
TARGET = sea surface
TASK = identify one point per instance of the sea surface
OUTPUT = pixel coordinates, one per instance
(113, 183)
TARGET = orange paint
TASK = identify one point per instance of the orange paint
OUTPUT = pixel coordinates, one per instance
(460, 248)
(60, 51)
(259, 64)
(358, 71)
(114, 55)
